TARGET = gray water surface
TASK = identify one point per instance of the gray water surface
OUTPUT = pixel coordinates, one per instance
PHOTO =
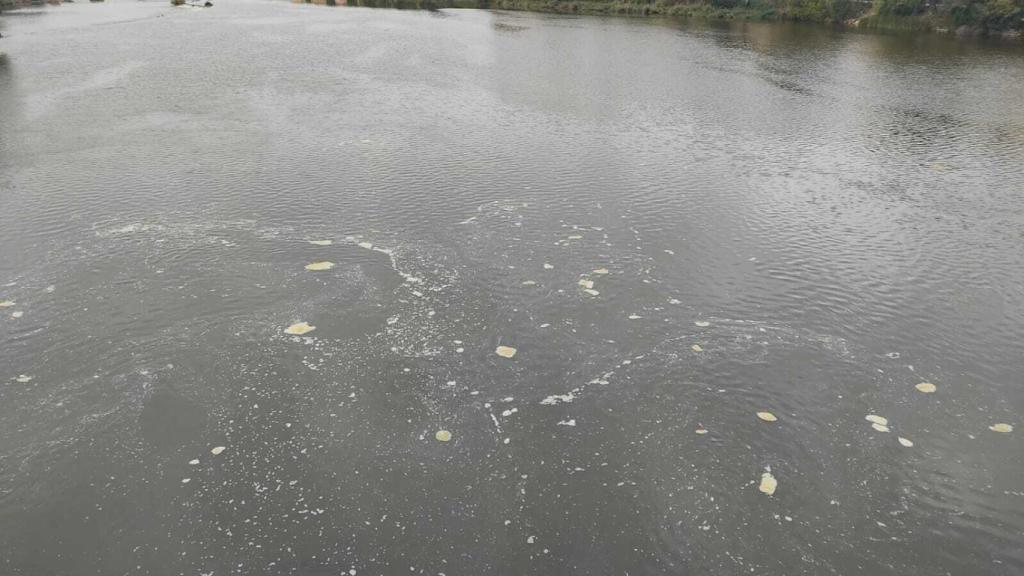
(830, 217)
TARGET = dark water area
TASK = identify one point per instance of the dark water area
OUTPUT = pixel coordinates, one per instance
(676, 226)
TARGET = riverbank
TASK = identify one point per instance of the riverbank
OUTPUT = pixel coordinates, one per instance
(1002, 18)
(961, 17)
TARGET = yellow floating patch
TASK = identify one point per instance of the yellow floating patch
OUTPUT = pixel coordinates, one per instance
(321, 242)
(1004, 428)
(443, 435)
(767, 416)
(299, 328)
(366, 245)
(768, 483)
(876, 420)
(701, 431)
(696, 348)
(217, 450)
(926, 387)
(320, 266)
(905, 442)
(505, 351)
(880, 427)
(601, 271)
(701, 324)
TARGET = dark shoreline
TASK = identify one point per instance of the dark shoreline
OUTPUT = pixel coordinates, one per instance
(970, 19)
(962, 18)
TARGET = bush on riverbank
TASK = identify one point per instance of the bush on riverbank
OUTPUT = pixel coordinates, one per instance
(985, 17)
(972, 16)
(978, 16)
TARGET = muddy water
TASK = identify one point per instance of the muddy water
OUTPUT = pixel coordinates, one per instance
(791, 220)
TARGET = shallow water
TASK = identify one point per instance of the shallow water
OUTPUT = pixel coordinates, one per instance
(843, 210)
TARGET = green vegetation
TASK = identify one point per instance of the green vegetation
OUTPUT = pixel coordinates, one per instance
(963, 16)
(971, 16)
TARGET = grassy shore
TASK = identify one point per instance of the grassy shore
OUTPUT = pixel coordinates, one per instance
(964, 17)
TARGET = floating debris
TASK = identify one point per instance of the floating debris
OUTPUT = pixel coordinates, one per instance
(367, 245)
(7, 304)
(1001, 427)
(443, 436)
(23, 379)
(548, 266)
(299, 328)
(696, 348)
(589, 284)
(569, 422)
(321, 242)
(635, 317)
(186, 480)
(217, 450)
(926, 387)
(531, 540)
(529, 283)
(193, 462)
(701, 324)
(591, 291)
(701, 431)
(767, 416)
(317, 266)
(905, 442)
(768, 483)
(556, 398)
(505, 351)
(876, 420)
(17, 314)
(880, 427)
(601, 271)
(574, 237)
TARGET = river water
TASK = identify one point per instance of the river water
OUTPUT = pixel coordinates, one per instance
(774, 218)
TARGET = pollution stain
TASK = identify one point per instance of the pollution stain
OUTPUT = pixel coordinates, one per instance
(768, 483)
(505, 351)
(875, 419)
(299, 328)
(317, 266)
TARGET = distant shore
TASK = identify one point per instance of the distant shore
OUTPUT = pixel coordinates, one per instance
(1004, 18)
(965, 18)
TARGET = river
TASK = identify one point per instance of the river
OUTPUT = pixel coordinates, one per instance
(675, 226)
